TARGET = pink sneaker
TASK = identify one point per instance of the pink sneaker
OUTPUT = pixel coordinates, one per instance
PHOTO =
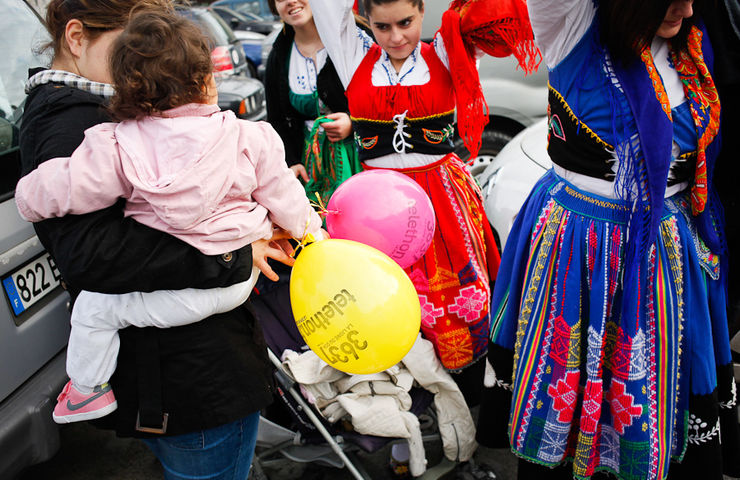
(73, 406)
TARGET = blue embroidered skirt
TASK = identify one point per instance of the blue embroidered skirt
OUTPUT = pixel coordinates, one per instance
(590, 384)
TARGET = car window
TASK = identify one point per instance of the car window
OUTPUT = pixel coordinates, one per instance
(250, 7)
(210, 24)
(260, 8)
(253, 17)
(230, 15)
(19, 38)
(225, 28)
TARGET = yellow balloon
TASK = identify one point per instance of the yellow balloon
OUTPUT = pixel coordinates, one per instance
(354, 306)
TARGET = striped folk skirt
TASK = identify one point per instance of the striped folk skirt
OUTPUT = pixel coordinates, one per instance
(591, 384)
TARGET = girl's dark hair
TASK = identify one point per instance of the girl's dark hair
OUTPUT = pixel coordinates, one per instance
(273, 8)
(160, 61)
(368, 4)
(97, 16)
(626, 26)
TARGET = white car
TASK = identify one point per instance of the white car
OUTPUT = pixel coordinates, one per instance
(506, 182)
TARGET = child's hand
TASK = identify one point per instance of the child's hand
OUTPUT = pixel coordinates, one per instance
(339, 128)
(300, 171)
(278, 248)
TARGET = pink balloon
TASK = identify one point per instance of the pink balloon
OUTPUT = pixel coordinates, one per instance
(386, 210)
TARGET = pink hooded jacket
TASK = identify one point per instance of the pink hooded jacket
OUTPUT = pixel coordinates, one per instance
(197, 173)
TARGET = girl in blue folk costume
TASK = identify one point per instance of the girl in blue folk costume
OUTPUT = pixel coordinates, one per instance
(609, 311)
(402, 98)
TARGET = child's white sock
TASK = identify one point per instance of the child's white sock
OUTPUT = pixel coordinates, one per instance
(83, 389)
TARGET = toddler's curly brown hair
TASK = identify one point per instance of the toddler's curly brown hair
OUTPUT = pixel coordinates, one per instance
(160, 61)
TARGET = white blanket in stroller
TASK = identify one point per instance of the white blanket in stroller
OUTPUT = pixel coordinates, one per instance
(379, 404)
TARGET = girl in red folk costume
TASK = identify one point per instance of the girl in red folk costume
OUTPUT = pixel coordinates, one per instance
(402, 96)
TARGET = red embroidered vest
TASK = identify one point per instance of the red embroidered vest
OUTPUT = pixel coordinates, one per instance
(402, 119)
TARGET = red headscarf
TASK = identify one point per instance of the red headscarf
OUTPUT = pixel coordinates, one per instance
(497, 27)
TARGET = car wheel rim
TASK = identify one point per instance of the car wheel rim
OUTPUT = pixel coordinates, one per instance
(480, 163)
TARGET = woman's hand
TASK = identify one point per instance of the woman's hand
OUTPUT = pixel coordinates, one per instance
(340, 128)
(278, 248)
(300, 171)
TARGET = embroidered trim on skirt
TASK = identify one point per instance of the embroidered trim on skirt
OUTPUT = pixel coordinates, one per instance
(603, 390)
(452, 278)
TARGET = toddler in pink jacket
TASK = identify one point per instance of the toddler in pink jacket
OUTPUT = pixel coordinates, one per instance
(184, 167)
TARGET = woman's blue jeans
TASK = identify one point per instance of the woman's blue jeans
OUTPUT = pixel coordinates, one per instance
(220, 453)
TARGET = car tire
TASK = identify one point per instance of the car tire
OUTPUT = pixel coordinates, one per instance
(492, 141)
(252, 69)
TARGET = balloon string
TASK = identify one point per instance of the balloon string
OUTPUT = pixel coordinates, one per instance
(320, 208)
(306, 238)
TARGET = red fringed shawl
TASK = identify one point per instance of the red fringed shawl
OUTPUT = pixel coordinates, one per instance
(499, 28)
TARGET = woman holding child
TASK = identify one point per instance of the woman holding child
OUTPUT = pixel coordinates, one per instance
(193, 392)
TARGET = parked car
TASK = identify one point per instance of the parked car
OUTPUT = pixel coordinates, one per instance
(251, 30)
(256, 7)
(237, 91)
(243, 96)
(265, 50)
(252, 45)
(227, 55)
(246, 21)
(34, 319)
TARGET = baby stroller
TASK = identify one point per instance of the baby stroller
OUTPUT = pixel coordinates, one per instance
(293, 429)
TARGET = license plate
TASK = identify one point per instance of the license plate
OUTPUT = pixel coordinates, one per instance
(31, 283)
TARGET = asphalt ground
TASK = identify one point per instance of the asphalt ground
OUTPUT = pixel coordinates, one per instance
(88, 453)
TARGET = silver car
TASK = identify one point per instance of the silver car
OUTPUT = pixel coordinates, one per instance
(34, 319)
